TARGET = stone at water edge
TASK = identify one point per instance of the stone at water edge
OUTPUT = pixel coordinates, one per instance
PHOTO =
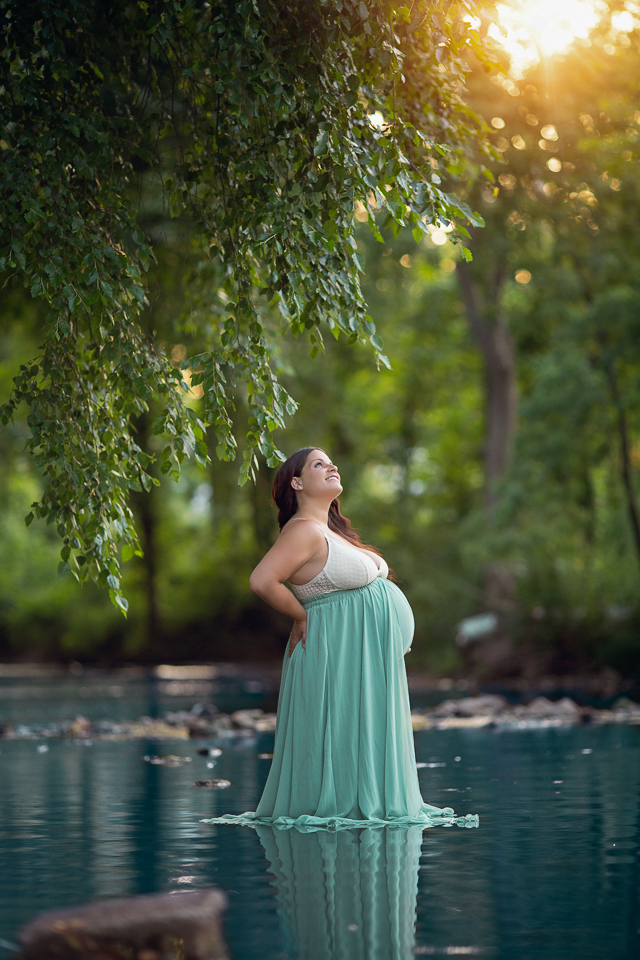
(625, 706)
(543, 707)
(247, 718)
(184, 926)
(486, 705)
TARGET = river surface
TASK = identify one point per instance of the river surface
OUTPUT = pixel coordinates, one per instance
(552, 872)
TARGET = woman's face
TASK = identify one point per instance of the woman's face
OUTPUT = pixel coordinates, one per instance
(319, 477)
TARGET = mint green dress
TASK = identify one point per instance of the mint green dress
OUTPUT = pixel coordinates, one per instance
(344, 755)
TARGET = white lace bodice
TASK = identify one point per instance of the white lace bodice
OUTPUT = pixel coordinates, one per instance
(346, 568)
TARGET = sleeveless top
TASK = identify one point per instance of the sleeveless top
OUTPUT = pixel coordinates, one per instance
(346, 568)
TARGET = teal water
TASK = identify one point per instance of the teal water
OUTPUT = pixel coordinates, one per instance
(552, 871)
(119, 696)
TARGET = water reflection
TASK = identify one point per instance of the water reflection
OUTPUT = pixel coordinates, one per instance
(553, 871)
(349, 894)
(44, 695)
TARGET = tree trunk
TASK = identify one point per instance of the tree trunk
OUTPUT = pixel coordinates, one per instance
(145, 503)
(145, 506)
(495, 342)
(625, 458)
(265, 524)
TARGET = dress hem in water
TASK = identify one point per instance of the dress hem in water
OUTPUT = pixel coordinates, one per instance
(439, 818)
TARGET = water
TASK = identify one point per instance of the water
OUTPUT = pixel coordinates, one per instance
(552, 871)
(43, 695)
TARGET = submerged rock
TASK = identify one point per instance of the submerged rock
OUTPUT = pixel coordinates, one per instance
(213, 784)
(154, 729)
(184, 926)
(167, 761)
(80, 727)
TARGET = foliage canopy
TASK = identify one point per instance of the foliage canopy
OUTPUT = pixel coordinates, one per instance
(256, 125)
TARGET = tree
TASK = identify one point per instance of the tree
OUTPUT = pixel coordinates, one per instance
(582, 195)
(256, 125)
(556, 268)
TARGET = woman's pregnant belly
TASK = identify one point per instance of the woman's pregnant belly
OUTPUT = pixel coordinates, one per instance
(403, 614)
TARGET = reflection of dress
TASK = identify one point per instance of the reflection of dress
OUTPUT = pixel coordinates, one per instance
(349, 895)
(344, 753)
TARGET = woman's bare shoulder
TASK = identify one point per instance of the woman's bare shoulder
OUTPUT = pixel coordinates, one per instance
(301, 530)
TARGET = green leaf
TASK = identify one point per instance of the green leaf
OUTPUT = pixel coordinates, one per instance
(120, 602)
(127, 552)
(320, 146)
(202, 451)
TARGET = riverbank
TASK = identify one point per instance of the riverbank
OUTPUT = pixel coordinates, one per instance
(205, 722)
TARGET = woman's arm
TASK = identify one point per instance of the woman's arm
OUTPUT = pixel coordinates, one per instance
(295, 546)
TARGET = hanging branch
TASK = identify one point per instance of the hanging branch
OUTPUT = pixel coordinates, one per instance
(257, 117)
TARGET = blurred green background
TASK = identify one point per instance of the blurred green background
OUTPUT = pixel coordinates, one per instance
(552, 545)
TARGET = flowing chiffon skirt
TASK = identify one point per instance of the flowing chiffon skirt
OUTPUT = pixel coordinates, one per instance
(344, 755)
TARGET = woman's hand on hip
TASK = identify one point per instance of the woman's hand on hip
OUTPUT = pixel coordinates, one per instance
(298, 633)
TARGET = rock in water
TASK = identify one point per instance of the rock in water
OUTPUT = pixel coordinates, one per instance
(167, 761)
(487, 705)
(213, 784)
(543, 707)
(186, 926)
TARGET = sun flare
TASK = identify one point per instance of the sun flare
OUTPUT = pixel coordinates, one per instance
(530, 29)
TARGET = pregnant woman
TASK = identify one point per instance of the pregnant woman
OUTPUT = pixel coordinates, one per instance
(343, 753)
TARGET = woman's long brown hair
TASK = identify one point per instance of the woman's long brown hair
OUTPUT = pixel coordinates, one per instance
(287, 501)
